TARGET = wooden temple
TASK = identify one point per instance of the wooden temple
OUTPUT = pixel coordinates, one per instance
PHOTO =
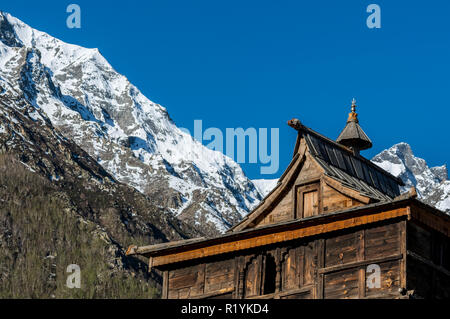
(335, 226)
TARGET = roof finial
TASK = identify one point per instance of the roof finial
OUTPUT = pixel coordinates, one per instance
(352, 135)
(353, 105)
(353, 116)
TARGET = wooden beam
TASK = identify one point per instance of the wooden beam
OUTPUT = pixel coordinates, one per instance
(428, 218)
(165, 287)
(429, 263)
(276, 237)
(345, 190)
(391, 295)
(150, 264)
(214, 294)
(296, 291)
(361, 257)
(285, 293)
(403, 250)
(360, 263)
(319, 286)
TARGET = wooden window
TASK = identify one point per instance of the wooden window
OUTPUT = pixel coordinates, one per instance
(307, 200)
(310, 203)
(270, 274)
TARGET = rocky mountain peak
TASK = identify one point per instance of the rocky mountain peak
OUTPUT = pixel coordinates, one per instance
(440, 172)
(7, 33)
(133, 138)
(431, 182)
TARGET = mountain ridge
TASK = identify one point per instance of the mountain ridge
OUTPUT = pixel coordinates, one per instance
(432, 183)
(137, 142)
(132, 137)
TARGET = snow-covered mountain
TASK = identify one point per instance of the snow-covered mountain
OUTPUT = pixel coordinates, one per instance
(133, 138)
(265, 186)
(431, 183)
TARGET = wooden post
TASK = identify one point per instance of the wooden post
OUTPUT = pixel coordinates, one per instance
(278, 261)
(320, 264)
(165, 287)
(241, 284)
(362, 270)
(403, 251)
(239, 277)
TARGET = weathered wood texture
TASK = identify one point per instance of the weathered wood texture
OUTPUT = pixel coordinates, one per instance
(282, 212)
(309, 195)
(283, 208)
(333, 200)
(348, 256)
(428, 262)
(203, 279)
(329, 266)
(310, 171)
(187, 282)
(281, 236)
(318, 234)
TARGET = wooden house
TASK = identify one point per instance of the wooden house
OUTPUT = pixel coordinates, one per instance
(335, 226)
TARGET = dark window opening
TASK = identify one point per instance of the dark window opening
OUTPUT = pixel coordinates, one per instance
(270, 274)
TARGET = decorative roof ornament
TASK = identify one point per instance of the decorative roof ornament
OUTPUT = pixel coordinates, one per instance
(353, 105)
(353, 135)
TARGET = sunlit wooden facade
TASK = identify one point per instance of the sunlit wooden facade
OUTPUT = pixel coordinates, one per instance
(331, 216)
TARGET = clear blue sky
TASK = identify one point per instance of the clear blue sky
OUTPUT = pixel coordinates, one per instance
(261, 63)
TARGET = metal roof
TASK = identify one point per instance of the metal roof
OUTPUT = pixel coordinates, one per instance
(351, 169)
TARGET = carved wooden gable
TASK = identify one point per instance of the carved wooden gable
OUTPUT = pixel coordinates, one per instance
(323, 177)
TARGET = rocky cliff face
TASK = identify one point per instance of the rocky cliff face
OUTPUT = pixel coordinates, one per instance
(58, 206)
(133, 138)
(432, 183)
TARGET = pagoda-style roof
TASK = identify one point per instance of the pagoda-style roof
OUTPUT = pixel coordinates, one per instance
(350, 168)
(353, 135)
(341, 164)
(332, 214)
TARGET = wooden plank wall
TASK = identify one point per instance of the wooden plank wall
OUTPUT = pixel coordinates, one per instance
(200, 280)
(333, 201)
(428, 262)
(282, 212)
(334, 266)
(348, 256)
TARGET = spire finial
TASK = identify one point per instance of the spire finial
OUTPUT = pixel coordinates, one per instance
(353, 105)
(353, 116)
(353, 135)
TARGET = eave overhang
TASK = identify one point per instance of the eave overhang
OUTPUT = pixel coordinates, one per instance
(175, 252)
